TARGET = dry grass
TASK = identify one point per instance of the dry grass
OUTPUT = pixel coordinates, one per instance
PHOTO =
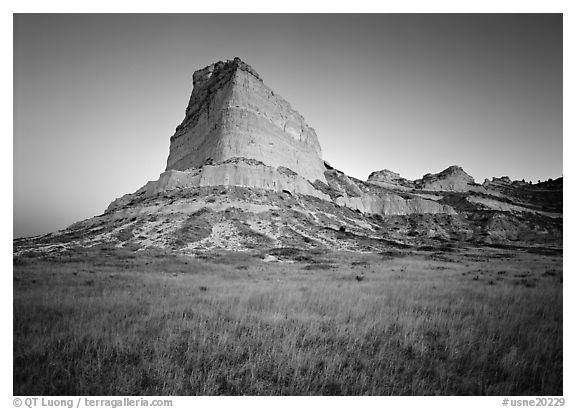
(109, 323)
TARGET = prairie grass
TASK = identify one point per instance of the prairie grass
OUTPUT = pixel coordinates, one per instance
(115, 323)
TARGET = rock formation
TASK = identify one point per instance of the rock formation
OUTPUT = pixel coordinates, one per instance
(378, 197)
(387, 178)
(392, 205)
(238, 132)
(451, 179)
(232, 113)
(232, 172)
(245, 172)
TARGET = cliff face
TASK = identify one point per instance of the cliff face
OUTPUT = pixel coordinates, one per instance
(232, 113)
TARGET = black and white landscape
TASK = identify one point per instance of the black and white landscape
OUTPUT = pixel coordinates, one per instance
(254, 264)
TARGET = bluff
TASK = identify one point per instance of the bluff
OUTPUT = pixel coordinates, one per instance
(238, 132)
(245, 171)
(233, 114)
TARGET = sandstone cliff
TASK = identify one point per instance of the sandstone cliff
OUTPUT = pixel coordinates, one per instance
(232, 113)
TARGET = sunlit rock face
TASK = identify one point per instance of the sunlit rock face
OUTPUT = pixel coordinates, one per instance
(453, 178)
(232, 113)
(389, 179)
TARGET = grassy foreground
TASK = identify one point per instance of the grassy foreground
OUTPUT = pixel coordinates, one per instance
(111, 322)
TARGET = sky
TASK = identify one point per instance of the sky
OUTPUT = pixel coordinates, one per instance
(97, 96)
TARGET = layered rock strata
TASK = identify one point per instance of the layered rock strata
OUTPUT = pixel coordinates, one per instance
(233, 172)
(238, 132)
(371, 198)
(232, 113)
(389, 204)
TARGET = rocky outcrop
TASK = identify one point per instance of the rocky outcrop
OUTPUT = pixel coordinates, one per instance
(233, 172)
(452, 179)
(341, 184)
(232, 113)
(503, 183)
(388, 179)
(371, 198)
(497, 183)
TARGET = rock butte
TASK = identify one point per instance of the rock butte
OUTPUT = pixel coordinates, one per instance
(233, 114)
(245, 172)
(239, 132)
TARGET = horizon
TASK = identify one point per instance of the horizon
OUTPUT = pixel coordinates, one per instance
(483, 92)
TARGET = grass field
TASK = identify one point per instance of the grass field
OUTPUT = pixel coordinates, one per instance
(108, 322)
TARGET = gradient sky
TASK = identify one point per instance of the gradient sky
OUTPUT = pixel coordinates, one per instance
(97, 97)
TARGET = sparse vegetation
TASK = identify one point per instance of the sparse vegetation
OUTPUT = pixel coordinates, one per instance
(161, 324)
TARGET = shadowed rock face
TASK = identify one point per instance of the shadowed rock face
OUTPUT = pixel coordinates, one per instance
(232, 113)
